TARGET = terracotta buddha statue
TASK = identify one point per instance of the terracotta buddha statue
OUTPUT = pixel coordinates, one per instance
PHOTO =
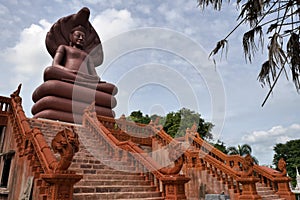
(72, 83)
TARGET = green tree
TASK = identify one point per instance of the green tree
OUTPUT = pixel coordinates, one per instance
(221, 146)
(176, 123)
(279, 20)
(290, 152)
(241, 150)
(138, 117)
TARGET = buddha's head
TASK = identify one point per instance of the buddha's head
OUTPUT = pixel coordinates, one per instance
(77, 37)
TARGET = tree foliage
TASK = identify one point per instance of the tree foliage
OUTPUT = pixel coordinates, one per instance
(290, 152)
(176, 123)
(138, 117)
(221, 146)
(241, 150)
(279, 20)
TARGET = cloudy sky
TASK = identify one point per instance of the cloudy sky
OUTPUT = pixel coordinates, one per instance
(156, 52)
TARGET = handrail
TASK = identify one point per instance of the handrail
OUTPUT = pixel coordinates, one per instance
(135, 129)
(42, 149)
(232, 166)
(128, 151)
(153, 167)
(208, 155)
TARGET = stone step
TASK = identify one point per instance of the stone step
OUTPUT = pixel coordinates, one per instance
(267, 193)
(117, 195)
(113, 177)
(96, 182)
(113, 189)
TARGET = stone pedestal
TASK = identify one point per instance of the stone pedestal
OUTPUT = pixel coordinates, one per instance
(174, 187)
(61, 185)
(249, 189)
(284, 190)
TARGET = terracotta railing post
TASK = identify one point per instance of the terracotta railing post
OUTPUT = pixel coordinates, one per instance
(61, 185)
(284, 190)
(174, 187)
(248, 181)
(249, 188)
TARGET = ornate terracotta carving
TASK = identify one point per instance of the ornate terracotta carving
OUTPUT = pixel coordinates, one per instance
(65, 143)
(191, 133)
(282, 166)
(72, 83)
(175, 155)
(247, 166)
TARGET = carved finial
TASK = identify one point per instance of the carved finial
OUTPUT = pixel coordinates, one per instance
(65, 143)
(248, 166)
(17, 92)
(175, 155)
(122, 117)
(194, 128)
(192, 132)
(151, 123)
(156, 123)
(282, 166)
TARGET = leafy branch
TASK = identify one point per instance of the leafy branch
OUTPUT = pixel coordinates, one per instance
(280, 19)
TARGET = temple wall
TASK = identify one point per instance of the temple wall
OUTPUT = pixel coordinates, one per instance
(19, 168)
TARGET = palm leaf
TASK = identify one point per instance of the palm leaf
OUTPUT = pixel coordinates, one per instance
(220, 45)
(293, 50)
(249, 44)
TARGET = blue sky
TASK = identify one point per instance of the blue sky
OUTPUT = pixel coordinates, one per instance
(156, 52)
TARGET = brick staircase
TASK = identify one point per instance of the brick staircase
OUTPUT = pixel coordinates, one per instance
(267, 193)
(105, 177)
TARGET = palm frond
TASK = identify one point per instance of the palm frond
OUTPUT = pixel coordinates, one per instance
(249, 45)
(252, 10)
(272, 27)
(217, 4)
(293, 50)
(276, 54)
(220, 45)
(265, 74)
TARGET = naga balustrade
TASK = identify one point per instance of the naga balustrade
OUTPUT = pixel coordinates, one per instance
(277, 181)
(171, 186)
(32, 143)
(268, 177)
(226, 168)
(206, 157)
(139, 133)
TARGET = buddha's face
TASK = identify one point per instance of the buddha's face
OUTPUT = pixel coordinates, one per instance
(78, 39)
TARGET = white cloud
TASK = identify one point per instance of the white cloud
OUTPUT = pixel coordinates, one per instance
(263, 142)
(29, 55)
(112, 22)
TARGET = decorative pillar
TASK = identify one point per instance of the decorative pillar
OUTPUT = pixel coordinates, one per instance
(284, 190)
(248, 181)
(174, 187)
(249, 188)
(61, 185)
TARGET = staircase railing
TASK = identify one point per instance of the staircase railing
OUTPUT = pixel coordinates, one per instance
(31, 143)
(277, 181)
(226, 168)
(171, 186)
(222, 165)
(139, 134)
